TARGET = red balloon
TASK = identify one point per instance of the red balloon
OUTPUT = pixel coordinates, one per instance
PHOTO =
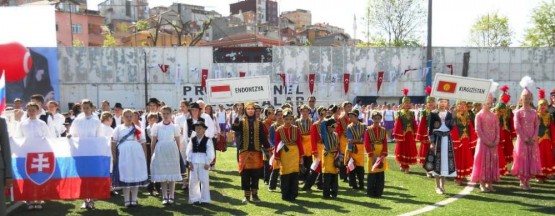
(15, 60)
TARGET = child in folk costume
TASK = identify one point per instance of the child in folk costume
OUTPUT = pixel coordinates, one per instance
(129, 155)
(304, 123)
(404, 132)
(288, 155)
(267, 123)
(506, 130)
(329, 155)
(422, 132)
(250, 146)
(526, 152)
(375, 143)
(33, 127)
(546, 133)
(164, 165)
(464, 137)
(486, 159)
(317, 149)
(272, 184)
(440, 160)
(200, 153)
(151, 121)
(87, 125)
(355, 150)
(341, 130)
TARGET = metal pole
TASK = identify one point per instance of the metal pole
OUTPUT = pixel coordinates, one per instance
(429, 46)
(146, 80)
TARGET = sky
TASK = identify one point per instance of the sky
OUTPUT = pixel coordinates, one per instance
(451, 19)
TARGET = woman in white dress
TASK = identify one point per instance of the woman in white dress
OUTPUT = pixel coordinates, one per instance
(129, 155)
(164, 165)
(86, 125)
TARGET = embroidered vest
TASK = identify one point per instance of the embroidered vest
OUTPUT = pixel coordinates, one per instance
(199, 147)
(305, 128)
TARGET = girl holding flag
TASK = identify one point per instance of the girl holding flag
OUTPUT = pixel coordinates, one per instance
(375, 143)
(317, 149)
(329, 155)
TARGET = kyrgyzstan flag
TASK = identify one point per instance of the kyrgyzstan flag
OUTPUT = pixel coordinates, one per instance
(447, 87)
(220, 91)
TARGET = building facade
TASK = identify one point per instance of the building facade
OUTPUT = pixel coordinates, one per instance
(301, 18)
(266, 10)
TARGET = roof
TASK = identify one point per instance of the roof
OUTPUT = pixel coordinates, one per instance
(239, 39)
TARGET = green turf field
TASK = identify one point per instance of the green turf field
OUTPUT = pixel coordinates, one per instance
(403, 193)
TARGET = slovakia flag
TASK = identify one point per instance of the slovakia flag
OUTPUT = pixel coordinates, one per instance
(60, 168)
(2, 93)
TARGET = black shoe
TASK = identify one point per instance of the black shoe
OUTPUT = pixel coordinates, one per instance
(255, 198)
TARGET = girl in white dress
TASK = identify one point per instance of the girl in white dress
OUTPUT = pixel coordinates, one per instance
(129, 155)
(33, 127)
(86, 125)
(164, 165)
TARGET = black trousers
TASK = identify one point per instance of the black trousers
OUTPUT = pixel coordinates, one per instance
(267, 171)
(357, 174)
(273, 179)
(250, 179)
(307, 162)
(289, 186)
(343, 173)
(312, 177)
(330, 185)
(376, 184)
(151, 185)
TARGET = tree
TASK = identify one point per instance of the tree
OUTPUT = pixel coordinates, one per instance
(142, 25)
(109, 41)
(542, 32)
(491, 30)
(397, 22)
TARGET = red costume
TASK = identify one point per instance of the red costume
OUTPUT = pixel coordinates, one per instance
(464, 138)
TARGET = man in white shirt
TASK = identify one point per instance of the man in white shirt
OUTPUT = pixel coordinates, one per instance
(312, 112)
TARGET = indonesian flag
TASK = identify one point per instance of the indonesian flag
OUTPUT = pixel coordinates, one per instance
(377, 164)
(346, 80)
(311, 80)
(447, 87)
(380, 79)
(242, 74)
(316, 166)
(220, 91)
(203, 78)
(351, 165)
(3, 92)
(450, 66)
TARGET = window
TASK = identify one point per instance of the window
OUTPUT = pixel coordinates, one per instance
(56, 26)
(76, 28)
(128, 8)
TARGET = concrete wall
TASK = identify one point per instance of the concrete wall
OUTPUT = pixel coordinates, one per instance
(117, 74)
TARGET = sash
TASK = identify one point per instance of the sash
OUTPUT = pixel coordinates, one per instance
(127, 135)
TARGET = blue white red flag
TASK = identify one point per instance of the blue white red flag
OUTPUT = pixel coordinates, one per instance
(2, 93)
(60, 168)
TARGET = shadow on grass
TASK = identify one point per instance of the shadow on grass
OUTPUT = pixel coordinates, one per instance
(298, 207)
(532, 207)
(48, 209)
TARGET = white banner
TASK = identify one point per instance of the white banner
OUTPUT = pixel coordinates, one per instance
(240, 89)
(460, 88)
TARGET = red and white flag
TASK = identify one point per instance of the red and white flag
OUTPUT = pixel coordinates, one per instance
(346, 81)
(242, 74)
(450, 66)
(221, 91)
(380, 79)
(311, 80)
(204, 76)
(283, 78)
(377, 163)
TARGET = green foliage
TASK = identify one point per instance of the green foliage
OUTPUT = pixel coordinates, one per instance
(378, 41)
(109, 41)
(122, 27)
(399, 21)
(142, 25)
(491, 30)
(542, 33)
